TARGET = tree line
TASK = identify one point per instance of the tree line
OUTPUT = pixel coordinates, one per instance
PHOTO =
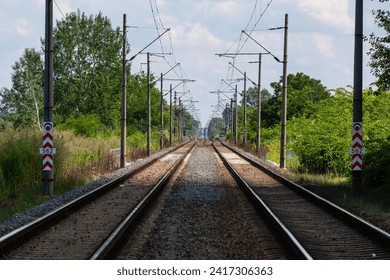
(87, 79)
(319, 119)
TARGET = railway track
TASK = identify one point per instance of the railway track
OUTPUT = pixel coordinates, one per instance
(204, 215)
(314, 227)
(89, 226)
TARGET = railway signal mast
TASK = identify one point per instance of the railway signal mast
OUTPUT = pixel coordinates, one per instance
(357, 125)
(48, 150)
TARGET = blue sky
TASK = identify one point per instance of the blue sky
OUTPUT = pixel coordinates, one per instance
(321, 35)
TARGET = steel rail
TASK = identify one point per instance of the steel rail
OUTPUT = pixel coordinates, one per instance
(23, 233)
(288, 237)
(109, 245)
(356, 222)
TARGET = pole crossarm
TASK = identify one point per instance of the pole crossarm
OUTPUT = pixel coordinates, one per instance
(267, 51)
(230, 84)
(134, 56)
(162, 75)
(243, 74)
(235, 54)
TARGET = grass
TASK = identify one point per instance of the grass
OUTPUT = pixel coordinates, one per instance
(338, 189)
(79, 159)
(334, 187)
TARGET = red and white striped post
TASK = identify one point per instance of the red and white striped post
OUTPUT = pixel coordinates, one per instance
(47, 151)
(357, 150)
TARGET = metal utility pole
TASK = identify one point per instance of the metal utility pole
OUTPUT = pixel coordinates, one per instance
(170, 115)
(357, 125)
(124, 82)
(161, 114)
(244, 100)
(283, 137)
(47, 173)
(148, 105)
(231, 119)
(227, 128)
(175, 115)
(162, 105)
(258, 107)
(148, 90)
(179, 122)
(235, 116)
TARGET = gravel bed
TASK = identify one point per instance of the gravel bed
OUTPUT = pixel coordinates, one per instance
(204, 215)
(20, 219)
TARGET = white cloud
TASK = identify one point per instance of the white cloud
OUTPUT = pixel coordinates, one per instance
(324, 44)
(195, 34)
(332, 12)
(22, 27)
(227, 7)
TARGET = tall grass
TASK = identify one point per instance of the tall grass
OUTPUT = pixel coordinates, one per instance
(78, 160)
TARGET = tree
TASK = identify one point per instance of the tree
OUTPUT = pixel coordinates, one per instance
(251, 96)
(380, 50)
(137, 103)
(304, 93)
(87, 68)
(216, 127)
(22, 105)
(322, 141)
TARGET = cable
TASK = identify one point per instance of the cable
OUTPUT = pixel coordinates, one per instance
(241, 43)
(63, 16)
(158, 24)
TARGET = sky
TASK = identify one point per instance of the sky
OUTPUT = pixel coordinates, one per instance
(320, 40)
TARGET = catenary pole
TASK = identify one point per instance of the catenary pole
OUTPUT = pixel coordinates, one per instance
(357, 150)
(258, 107)
(170, 115)
(148, 149)
(124, 82)
(244, 100)
(283, 137)
(161, 114)
(235, 115)
(47, 175)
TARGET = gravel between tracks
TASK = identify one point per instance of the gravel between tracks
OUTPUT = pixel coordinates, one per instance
(206, 216)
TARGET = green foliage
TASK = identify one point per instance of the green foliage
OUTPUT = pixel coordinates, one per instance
(77, 159)
(322, 141)
(376, 134)
(22, 104)
(19, 160)
(84, 125)
(304, 93)
(380, 49)
(216, 128)
(137, 140)
(137, 103)
(87, 67)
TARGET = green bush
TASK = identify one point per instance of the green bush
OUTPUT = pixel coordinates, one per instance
(137, 140)
(377, 165)
(85, 125)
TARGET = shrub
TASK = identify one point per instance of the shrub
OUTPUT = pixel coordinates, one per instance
(83, 125)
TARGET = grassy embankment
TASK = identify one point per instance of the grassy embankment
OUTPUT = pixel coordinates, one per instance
(78, 160)
(334, 187)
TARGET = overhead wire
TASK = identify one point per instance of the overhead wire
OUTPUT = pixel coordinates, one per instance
(59, 9)
(242, 42)
(159, 25)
